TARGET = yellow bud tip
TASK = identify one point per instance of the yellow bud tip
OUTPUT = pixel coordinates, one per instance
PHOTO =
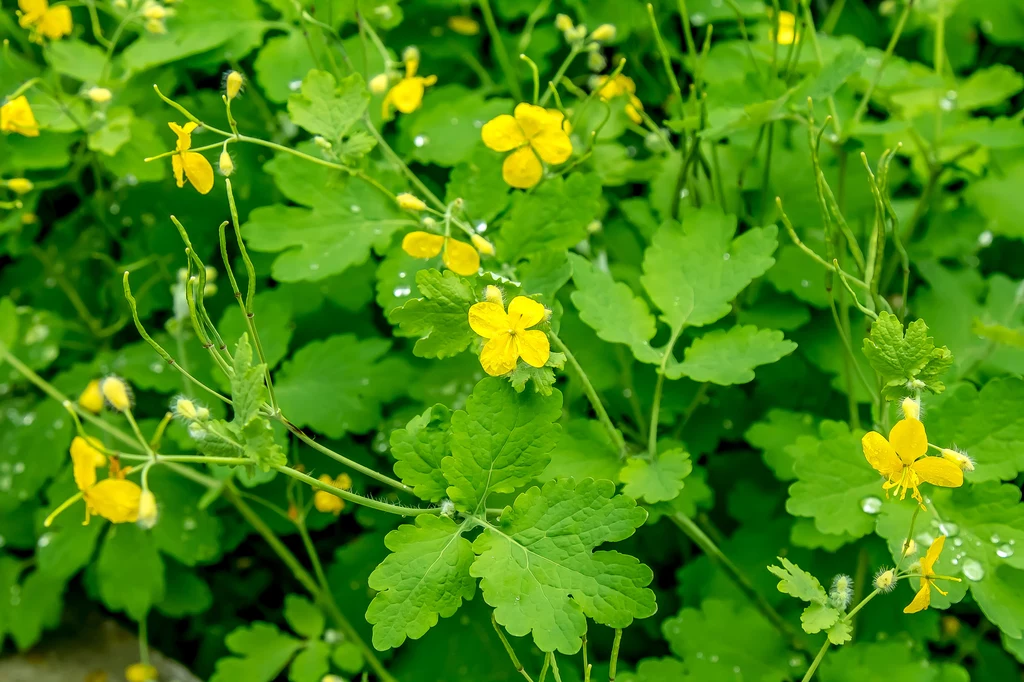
(909, 546)
(225, 164)
(410, 54)
(961, 459)
(141, 672)
(99, 95)
(482, 245)
(493, 295)
(20, 185)
(911, 408)
(379, 84)
(233, 84)
(885, 580)
(91, 398)
(410, 202)
(463, 25)
(185, 408)
(563, 23)
(603, 33)
(116, 394)
(147, 510)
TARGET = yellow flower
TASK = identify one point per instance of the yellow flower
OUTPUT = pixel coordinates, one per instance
(407, 94)
(91, 398)
(116, 393)
(509, 334)
(43, 20)
(467, 26)
(20, 185)
(924, 595)
(114, 498)
(610, 88)
(459, 257)
(233, 84)
(225, 164)
(191, 165)
(328, 502)
(901, 460)
(410, 202)
(787, 29)
(141, 672)
(16, 117)
(532, 134)
(99, 95)
(85, 457)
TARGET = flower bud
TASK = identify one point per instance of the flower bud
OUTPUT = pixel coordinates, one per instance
(116, 393)
(885, 580)
(147, 510)
(20, 185)
(91, 398)
(576, 34)
(141, 672)
(379, 84)
(233, 84)
(911, 408)
(154, 11)
(842, 592)
(225, 164)
(410, 202)
(156, 26)
(603, 33)
(909, 546)
(185, 408)
(99, 95)
(961, 459)
(596, 61)
(322, 142)
(466, 26)
(563, 23)
(447, 508)
(411, 54)
(482, 245)
(202, 414)
(594, 226)
(493, 295)
(950, 626)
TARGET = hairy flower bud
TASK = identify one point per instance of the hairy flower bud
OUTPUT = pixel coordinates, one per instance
(410, 202)
(885, 580)
(603, 33)
(91, 398)
(482, 245)
(563, 23)
(961, 459)
(911, 408)
(116, 393)
(141, 672)
(909, 546)
(842, 592)
(185, 408)
(233, 84)
(225, 164)
(147, 510)
(493, 295)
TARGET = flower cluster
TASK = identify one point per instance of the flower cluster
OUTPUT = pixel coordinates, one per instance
(44, 21)
(608, 88)
(407, 94)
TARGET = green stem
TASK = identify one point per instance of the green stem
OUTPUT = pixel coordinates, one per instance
(816, 662)
(595, 399)
(509, 649)
(353, 497)
(499, 50)
(666, 62)
(554, 667)
(401, 165)
(652, 439)
(614, 660)
(866, 98)
(812, 32)
(573, 53)
(708, 546)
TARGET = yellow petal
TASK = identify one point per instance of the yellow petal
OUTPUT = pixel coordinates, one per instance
(939, 471)
(32, 11)
(543, 129)
(91, 398)
(179, 174)
(533, 347)
(928, 562)
(499, 355)
(552, 145)
(16, 117)
(115, 500)
(522, 169)
(406, 95)
(56, 23)
(422, 244)
(325, 501)
(880, 454)
(460, 257)
(502, 134)
(909, 439)
(198, 171)
(85, 457)
(532, 119)
(184, 134)
(488, 319)
(921, 600)
(524, 312)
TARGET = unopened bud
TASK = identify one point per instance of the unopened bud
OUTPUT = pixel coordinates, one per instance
(225, 164)
(842, 592)
(91, 398)
(596, 61)
(185, 408)
(885, 580)
(322, 142)
(563, 23)
(20, 185)
(116, 393)
(379, 84)
(911, 408)
(141, 672)
(99, 95)
(410, 54)
(467, 26)
(147, 510)
(154, 10)
(410, 202)
(603, 33)
(447, 508)
(493, 295)
(576, 34)
(909, 546)
(233, 84)
(950, 626)
(594, 226)
(482, 245)
(961, 459)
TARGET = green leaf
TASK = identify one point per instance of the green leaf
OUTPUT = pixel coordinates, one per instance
(312, 664)
(833, 481)
(348, 657)
(612, 310)
(478, 182)
(840, 633)
(540, 572)
(798, 583)
(260, 445)
(303, 616)
(186, 594)
(701, 259)
(261, 653)
(657, 480)
(846, 63)
(554, 216)
(327, 108)
(338, 385)
(115, 132)
(779, 430)
(283, 60)
(441, 317)
(183, 530)
(818, 617)
(76, 59)
(870, 660)
(727, 357)
(543, 378)
(500, 442)
(723, 636)
(425, 576)
(273, 317)
(446, 129)
(584, 450)
(419, 449)
(129, 551)
(31, 606)
(988, 87)
(247, 389)
(906, 364)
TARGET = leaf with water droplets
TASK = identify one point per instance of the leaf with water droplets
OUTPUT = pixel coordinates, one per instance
(441, 317)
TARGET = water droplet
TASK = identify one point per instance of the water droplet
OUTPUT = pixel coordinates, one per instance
(1004, 551)
(401, 275)
(948, 529)
(698, 19)
(985, 238)
(455, 121)
(44, 540)
(947, 104)
(365, 381)
(727, 424)
(995, 539)
(3, 541)
(726, 256)
(5, 483)
(714, 658)
(314, 266)
(295, 85)
(804, 283)
(684, 193)
(795, 662)
(19, 467)
(957, 542)
(156, 367)
(401, 291)
(355, 209)
(189, 523)
(736, 669)
(627, 393)
(871, 505)
(481, 227)
(973, 570)
(700, 654)
(420, 140)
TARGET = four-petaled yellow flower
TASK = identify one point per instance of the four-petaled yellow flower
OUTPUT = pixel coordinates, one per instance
(459, 257)
(509, 334)
(44, 21)
(188, 164)
(16, 117)
(787, 29)
(901, 460)
(113, 498)
(610, 88)
(330, 503)
(532, 134)
(407, 94)
(924, 595)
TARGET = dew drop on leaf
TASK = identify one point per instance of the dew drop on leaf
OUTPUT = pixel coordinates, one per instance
(1004, 551)
(973, 570)
(871, 505)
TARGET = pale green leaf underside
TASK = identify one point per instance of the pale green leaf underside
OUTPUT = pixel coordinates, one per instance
(727, 357)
